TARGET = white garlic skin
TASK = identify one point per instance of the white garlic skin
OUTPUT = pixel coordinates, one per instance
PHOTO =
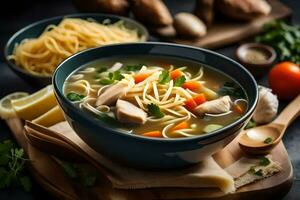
(267, 106)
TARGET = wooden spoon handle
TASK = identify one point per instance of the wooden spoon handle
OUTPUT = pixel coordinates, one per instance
(290, 112)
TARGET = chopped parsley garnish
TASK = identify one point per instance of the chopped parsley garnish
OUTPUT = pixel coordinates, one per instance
(112, 77)
(155, 111)
(258, 172)
(133, 67)
(72, 96)
(179, 81)
(232, 89)
(268, 140)
(164, 77)
(102, 69)
(264, 161)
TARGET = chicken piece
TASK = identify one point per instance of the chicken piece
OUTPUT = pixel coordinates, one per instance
(205, 10)
(127, 112)
(217, 106)
(111, 95)
(243, 10)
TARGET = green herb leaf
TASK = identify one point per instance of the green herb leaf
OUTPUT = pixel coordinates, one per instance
(102, 69)
(251, 124)
(89, 181)
(12, 163)
(179, 81)
(72, 96)
(154, 110)
(115, 76)
(164, 77)
(133, 67)
(258, 172)
(268, 140)
(106, 81)
(232, 89)
(264, 161)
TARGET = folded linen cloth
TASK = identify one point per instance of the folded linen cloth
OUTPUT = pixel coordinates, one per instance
(207, 174)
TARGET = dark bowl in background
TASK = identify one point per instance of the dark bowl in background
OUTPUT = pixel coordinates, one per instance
(152, 153)
(36, 29)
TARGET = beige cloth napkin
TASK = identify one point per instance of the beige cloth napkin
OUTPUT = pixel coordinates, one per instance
(207, 174)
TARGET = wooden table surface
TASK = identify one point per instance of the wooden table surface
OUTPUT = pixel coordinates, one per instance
(19, 15)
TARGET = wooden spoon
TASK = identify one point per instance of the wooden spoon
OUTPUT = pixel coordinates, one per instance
(262, 139)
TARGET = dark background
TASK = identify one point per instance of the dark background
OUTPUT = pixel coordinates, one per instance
(15, 14)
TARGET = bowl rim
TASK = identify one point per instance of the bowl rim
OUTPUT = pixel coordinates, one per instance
(81, 15)
(103, 125)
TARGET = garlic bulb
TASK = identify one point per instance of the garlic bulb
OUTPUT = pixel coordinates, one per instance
(267, 106)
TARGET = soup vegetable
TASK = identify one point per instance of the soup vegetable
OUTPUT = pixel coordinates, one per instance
(164, 98)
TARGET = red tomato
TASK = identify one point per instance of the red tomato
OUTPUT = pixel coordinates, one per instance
(284, 79)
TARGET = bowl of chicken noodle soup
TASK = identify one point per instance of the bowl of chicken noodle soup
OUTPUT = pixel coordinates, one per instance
(155, 105)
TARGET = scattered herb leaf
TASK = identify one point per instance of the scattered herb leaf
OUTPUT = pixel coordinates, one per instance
(258, 172)
(251, 124)
(179, 81)
(72, 96)
(102, 69)
(264, 161)
(133, 67)
(155, 111)
(164, 77)
(268, 140)
(232, 89)
(12, 167)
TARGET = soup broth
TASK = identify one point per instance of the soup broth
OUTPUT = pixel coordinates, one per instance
(156, 96)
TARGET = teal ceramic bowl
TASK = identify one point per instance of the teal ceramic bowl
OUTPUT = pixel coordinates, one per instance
(36, 29)
(152, 153)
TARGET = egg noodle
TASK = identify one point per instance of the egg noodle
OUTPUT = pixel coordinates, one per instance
(43, 54)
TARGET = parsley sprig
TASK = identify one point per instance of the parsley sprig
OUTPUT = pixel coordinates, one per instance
(12, 163)
(155, 111)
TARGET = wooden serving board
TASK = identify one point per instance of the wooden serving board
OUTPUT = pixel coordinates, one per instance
(48, 173)
(228, 32)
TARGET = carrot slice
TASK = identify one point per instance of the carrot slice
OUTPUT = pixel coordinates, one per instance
(152, 134)
(192, 85)
(140, 77)
(238, 109)
(182, 125)
(199, 99)
(190, 104)
(175, 74)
